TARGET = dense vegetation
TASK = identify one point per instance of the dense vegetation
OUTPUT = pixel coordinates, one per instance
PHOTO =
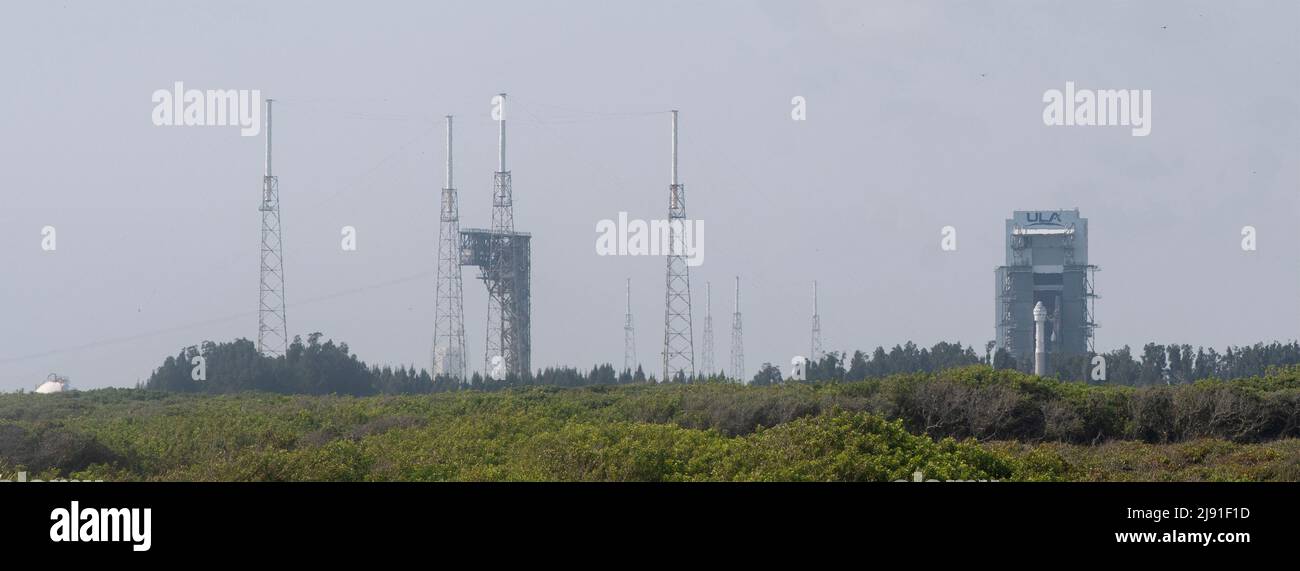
(967, 423)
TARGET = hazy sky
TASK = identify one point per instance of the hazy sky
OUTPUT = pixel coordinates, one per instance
(919, 115)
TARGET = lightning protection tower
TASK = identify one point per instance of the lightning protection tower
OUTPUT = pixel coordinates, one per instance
(272, 330)
(706, 358)
(679, 342)
(629, 334)
(816, 349)
(737, 339)
(449, 321)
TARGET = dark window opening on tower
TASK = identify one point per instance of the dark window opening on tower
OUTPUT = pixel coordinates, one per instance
(1049, 279)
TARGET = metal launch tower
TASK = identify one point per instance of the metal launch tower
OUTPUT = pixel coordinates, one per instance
(679, 342)
(272, 330)
(449, 321)
(504, 259)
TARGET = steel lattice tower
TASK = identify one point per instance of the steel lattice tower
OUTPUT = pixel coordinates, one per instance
(706, 357)
(679, 342)
(737, 339)
(816, 353)
(629, 334)
(449, 321)
(506, 276)
(272, 329)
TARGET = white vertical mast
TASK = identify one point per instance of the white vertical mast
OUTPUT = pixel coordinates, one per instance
(448, 185)
(501, 136)
(737, 294)
(268, 137)
(674, 147)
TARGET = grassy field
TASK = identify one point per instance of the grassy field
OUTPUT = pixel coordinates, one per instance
(963, 424)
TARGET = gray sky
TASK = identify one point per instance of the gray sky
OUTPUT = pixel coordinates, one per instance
(920, 115)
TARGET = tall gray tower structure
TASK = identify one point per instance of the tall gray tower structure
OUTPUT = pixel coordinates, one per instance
(1047, 263)
(449, 321)
(706, 357)
(679, 342)
(272, 328)
(504, 259)
(815, 353)
(737, 339)
(629, 334)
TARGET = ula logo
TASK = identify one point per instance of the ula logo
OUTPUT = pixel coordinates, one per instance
(213, 107)
(1106, 107)
(110, 524)
(1037, 218)
(654, 238)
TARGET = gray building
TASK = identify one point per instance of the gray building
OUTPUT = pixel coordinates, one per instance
(1046, 261)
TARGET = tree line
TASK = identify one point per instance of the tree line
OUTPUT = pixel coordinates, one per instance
(1179, 364)
(1171, 364)
(317, 368)
(314, 366)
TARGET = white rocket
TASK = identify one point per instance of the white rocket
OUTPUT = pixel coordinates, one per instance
(1040, 340)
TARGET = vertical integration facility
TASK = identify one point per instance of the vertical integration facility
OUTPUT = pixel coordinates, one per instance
(1046, 262)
